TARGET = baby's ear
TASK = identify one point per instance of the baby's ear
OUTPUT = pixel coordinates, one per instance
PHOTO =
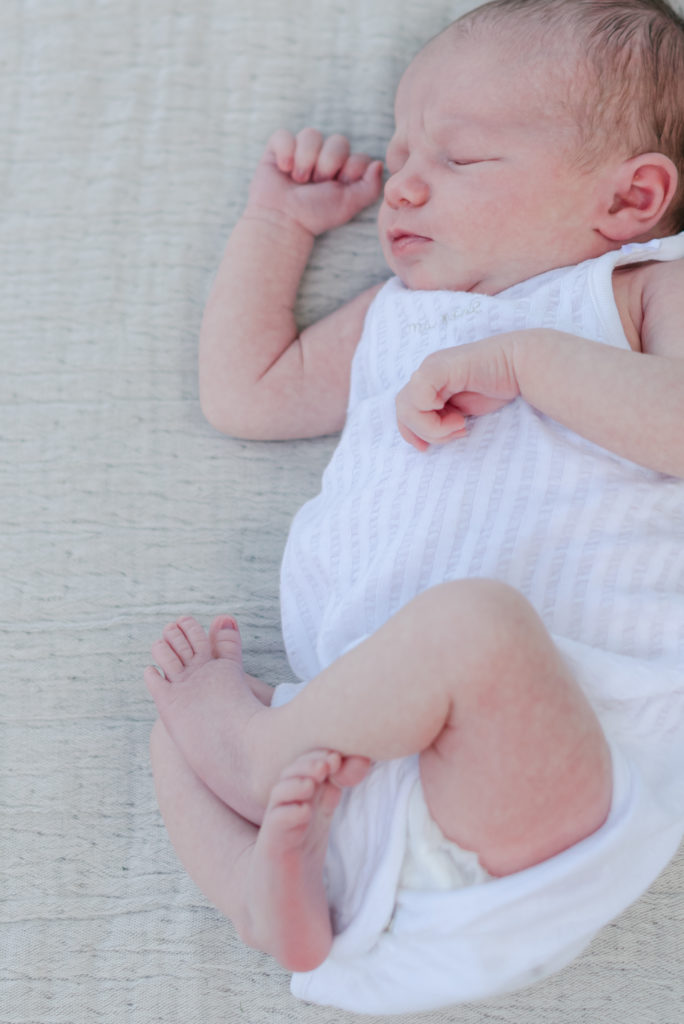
(644, 186)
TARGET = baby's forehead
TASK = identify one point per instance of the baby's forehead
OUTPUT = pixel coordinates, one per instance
(485, 78)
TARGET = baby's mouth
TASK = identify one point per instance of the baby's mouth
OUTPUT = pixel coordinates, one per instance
(402, 241)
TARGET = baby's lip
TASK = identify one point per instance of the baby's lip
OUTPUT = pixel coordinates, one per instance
(396, 234)
(404, 243)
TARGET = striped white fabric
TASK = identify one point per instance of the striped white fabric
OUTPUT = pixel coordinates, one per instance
(595, 542)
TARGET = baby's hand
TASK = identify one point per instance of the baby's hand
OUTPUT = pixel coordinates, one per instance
(449, 385)
(315, 181)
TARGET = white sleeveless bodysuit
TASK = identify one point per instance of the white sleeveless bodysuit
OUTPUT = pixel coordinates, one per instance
(596, 544)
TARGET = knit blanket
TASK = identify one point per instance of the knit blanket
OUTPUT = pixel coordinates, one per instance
(130, 131)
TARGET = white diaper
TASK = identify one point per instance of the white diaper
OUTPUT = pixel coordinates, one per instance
(431, 861)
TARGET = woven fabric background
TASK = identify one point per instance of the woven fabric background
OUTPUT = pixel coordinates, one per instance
(130, 131)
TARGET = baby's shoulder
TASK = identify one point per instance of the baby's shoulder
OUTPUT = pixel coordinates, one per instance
(649, 297)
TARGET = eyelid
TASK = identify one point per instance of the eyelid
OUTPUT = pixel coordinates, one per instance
(473, 160)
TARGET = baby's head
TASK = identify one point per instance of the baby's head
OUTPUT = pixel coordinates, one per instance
(533, 134)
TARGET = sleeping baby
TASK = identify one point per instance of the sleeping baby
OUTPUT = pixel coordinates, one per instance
(482, 764)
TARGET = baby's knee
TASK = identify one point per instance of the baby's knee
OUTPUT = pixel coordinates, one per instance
(478, 608)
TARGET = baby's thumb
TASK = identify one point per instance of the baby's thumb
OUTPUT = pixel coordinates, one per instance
(367, 189)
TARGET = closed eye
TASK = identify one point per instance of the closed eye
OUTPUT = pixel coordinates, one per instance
(465, 162)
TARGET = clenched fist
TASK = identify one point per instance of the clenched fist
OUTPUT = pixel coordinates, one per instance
(315, 181)
(449, 385)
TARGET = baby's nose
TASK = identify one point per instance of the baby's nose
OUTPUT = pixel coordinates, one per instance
(406, 190)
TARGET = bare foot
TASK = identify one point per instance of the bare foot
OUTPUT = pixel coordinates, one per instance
(258, 687)
(288, 908)
(205, 700)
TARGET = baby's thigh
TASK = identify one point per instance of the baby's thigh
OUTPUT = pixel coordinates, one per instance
(523, 769)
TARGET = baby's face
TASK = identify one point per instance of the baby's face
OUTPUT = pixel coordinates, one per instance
(482, 192)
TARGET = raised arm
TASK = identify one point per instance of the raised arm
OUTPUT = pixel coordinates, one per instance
(630, 402)
(259, 377)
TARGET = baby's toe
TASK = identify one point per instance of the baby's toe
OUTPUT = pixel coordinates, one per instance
(195, 635)
(155, 682)
(225, 638)
(352, 770)
(293, 789)
(288, 817)
(178, 642)
(167, 659)
(315, 764)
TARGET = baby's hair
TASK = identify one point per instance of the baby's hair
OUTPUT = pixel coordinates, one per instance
(629, 55)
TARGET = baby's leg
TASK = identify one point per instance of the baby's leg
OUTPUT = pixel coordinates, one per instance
(513, 761)
(213, 842)
(268, 881)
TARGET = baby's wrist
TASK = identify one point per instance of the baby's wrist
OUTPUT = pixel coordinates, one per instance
(278, 220)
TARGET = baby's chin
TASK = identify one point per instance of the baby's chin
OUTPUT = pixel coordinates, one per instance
(472, 281)
(420, 276)
(422, 280)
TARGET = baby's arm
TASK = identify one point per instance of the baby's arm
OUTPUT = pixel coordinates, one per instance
(631, 403)
(260, 378)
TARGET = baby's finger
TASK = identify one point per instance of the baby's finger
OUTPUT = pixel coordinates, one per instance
(417, 399)
(423, 428)
(281, 147)
(364, 191)
(412, 439)
(308, 145)
(332, 157)
(452, 424)
(354, 168)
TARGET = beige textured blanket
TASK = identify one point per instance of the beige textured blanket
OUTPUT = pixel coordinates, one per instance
(129, 134)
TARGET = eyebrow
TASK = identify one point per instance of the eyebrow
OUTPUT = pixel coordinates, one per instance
(448, 120)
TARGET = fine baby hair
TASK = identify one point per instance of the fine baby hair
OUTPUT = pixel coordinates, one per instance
(620, 66)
